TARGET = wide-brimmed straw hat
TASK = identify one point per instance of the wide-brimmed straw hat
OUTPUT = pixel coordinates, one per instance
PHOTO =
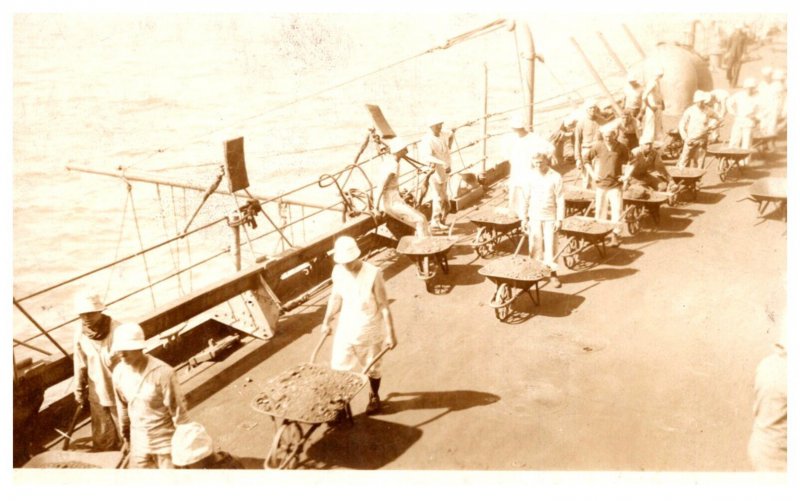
(88, 302)
(128, 337)
(345, 250)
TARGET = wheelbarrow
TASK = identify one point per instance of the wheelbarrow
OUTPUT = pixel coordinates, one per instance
(513, 276)
(582, 233)
(771, 190)
(578, 201)
(637, 209)
(300, 399)
(728, 159)
(687, 180)
(493, 227)
(427, 253)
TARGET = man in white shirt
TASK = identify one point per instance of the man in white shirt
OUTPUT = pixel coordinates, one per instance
(92, 363)
(520, 150)
(434, 149)
(544, 209)
(693, 128)
(743, 106)
(149, 400)
(767, 445)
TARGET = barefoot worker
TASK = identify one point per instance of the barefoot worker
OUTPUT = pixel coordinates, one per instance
(365, 325)
(434, 149)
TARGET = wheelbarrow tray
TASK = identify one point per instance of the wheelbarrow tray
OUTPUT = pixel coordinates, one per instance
(769, 189)
(688, 173)
(582, 226)
(720, 150)
(656, 199)
(496, 220)
(579, 196)
(309, 393)
(75, 459)
(518, 271)
(412, 245)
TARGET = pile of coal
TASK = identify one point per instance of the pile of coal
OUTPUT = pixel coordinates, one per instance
(308, 393)
(583, 226)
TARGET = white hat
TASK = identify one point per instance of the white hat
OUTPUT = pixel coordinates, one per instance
(633, 77)
(397, 144)
(590, 103)
(609, 129)
(518, 122)
(345, 250)
(778, 74)
(701, 97)
(766, 71)
(128, 337)
(659, 72)
(435, 120)
(543, 149)
(190, 443)
(750, 83)
(88, 302)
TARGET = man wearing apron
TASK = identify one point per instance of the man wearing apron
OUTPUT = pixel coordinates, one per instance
(365, 324)
(149, 400)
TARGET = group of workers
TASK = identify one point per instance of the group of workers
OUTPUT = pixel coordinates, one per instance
(135, 401)
(137, 404)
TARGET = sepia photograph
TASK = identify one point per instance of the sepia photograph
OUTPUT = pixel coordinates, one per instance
(421, 241)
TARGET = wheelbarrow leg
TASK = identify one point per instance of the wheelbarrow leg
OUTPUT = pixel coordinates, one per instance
(534, 297)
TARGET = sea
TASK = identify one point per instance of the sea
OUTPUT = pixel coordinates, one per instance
(162, 92)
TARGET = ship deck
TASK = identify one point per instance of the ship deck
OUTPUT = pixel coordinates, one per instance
(644, 362)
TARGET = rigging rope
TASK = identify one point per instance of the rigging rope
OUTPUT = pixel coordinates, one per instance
(141, 245)
(119, 242)
(175, 264)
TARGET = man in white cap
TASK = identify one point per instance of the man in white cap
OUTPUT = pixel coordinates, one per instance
(365, 325)
(545, 210)
(653, 128)
(587, 133)
(193, 449)
(779, 88)
(606, 159)
(93, 363)
(770, 104)
(563, 138)
(632, 109)
(149, 400)
(768, 440)
(520, 148)
(694, 127)
(388, 190)
(434, 149)
(743, 106)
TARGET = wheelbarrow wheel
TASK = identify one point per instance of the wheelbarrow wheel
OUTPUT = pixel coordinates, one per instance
(501, 296)
(632, 221)
(570, 257)
(286, 447)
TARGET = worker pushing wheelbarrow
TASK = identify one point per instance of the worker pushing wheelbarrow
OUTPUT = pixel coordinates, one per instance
(302, 398)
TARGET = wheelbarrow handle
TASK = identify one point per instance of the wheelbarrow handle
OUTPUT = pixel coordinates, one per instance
(375, 360)
(72, 424)
(317, 348)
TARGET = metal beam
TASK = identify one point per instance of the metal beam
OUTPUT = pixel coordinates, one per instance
(613, 54)
(597, 78)
(151, 177)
